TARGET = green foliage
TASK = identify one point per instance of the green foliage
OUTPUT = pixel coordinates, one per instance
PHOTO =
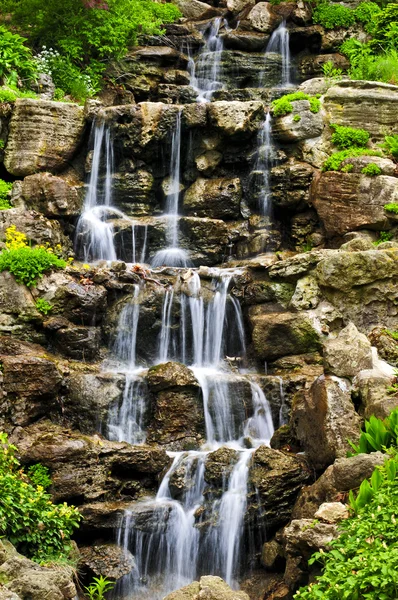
(348, 168)
(297, 118)
(371, 170)
(330, 72)
(393, 334)
(283, 106)
(98, 588)
(378, 435)
(11, 93)
(391, 145)
(28, 518)
(39, 475)
(5, 189)
(393, 208)
(365, 64)
(366, 12)
(28, 264)
(43, 306)
(362, 563)
(385, 28)
(349, 137)
(384, 236)
(333, 163)
(16, 61)
(332, 16)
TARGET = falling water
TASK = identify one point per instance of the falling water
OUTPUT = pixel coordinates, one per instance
(173, 256)
(261, 183)
(94, 234)
(279, 43)
(205, 73)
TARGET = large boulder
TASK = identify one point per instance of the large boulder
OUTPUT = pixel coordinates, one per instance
(299, 125)
(214, 198)
(348, 353)
(324, 419)
(236, 119)
(178, 417)
(371, 388)
(208, 587)
(349, 201)
(53, 196)
(43, 136)
(281, 334)
(18, 313)
(108, 560)
(194, 9)
(344, 475)
(277, 478)
(386, 343)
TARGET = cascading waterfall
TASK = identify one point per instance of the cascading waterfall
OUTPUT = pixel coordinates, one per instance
(279, 43)
(205, 73)
(261, 183)
(173, 256)
(177, 549)
(94, 234)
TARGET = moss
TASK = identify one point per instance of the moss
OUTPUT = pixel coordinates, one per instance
(283, 106)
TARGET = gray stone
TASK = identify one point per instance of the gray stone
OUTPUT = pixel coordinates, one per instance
(348, 353)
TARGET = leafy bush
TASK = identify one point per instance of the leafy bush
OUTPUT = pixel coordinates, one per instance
(98, 588)
(28, 518)
(371, 170)
(11, 93)
(366, 12)
(27, 264)
(378, 435)
(5, 189)
(39, 475)
(384, 236)
(332, 16)
(385, 28)
(349, 137)
(331, 72)
(365, 64)
(333, 163)
(362, 563)
(283, 106)
(391, 145)
(16, 61)
(393, 208)
(43, 306)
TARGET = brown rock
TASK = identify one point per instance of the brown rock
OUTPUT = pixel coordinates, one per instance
(108, 560)
(53, 196)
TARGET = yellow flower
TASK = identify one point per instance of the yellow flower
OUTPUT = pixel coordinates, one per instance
(15, 239)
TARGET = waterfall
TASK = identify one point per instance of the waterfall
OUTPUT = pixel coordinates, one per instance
(205, 73)
(261, 183)
(173, 255)
(94, 234)
(279, 43)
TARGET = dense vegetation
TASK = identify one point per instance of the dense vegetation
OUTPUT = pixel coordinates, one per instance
(28, 518)
(74, 40)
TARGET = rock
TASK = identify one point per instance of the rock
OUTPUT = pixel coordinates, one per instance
(236, 119)
(290, 183)
(77, 342)
(332, 512)
(236, 6)
(357, 245)
(294, 267)
(386, 344)
(306, 295)
(263, 17)
(109, 560)
(30, 382)
(53, 196)
(209, 587)
(35, 226)
(372, 388)
(277, 478)
(18, 313)
(387, 166)
(349, 201)
(219, 465)
(178, 417)
(281, 334)
(272, 556)
(348, 353)
(194, 9)
(290, 129)
(345, 270)
(348, 102)
(207, 162)
(323, 419)
(344, 475)
(43, 136)
(86, 469)
(214, 198)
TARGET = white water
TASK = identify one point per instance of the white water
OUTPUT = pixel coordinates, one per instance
(94, 234)
(262, 169)
(279, 43)
(173, 255)
(205, 73)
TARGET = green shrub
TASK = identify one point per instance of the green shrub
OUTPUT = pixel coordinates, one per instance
(5, 189)
(333, 163)
(39, 475)
(384, 236)
(10, 94)
(366, 12)
(362, 563)
(98, 588)
(283, 106)
(385, 28)
(331, 72)
(379, 434)
(391, 145)
(28, 264)
(365, 64)
(348, 168)
(332, 16)
(297, 118)
(393, 208)
(349, 137)
(16, 61)
(43, 306)
(372, 170)
(28, 518)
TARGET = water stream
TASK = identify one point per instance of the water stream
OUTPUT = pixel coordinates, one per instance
(279, 43)
(205, 72)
